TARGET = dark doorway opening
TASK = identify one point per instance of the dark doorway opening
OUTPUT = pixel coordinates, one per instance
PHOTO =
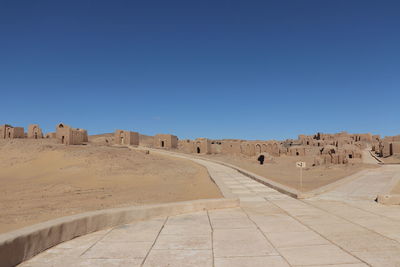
(297, 153)
(198, 150)
(9, 135)
(62, 139)
(350, 156)
(261, 159)
(35, 135)
(162, 143)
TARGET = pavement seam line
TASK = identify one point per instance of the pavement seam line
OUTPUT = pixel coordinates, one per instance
(155, 240)
(347, 220)
(377, 214)
(101, 238)
(333, 243)
(212, 239)
(258, 228)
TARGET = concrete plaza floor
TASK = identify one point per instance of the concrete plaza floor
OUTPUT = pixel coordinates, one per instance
(338, 228)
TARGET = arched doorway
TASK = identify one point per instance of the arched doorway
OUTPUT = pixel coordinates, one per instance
(198, 150)
(264, 148)
(258, 149)
(121, 139)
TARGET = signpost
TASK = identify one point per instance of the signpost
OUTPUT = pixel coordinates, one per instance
(301, 165)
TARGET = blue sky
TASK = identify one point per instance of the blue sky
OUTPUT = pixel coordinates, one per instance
(217, 69)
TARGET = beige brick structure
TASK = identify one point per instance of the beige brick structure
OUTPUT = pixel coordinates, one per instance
(71, 136)
(122, 137)
(296, 151)
(34, 131)
(202, 146)
(9, 132)
(165, 141)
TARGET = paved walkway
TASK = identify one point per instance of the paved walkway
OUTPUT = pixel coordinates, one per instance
(366, 185)
(269, 229)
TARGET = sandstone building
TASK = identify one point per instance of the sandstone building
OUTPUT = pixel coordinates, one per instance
(34, 131)
(122, 137)
(202, 145)
(165, 141)
(339, 148)
(71, 136)
(388, 146)
(10, 132)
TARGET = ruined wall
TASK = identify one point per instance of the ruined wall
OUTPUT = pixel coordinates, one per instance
(186, 146)
(248, 149)
(395, 149)
(299, 151)
(230, 147)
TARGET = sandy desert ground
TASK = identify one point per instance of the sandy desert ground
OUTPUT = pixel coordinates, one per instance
(41, 180)
(283, 170)
(396, 189)
(395, 159)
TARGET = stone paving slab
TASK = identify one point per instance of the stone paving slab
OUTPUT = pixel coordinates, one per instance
(270, 261)
(269, 229)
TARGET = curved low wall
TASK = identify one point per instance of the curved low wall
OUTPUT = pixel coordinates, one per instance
(389, 199)
(20, 245)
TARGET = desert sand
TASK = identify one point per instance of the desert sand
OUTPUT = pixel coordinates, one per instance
(395, 159)
(396, 189)
(41, 180)
(283, 170)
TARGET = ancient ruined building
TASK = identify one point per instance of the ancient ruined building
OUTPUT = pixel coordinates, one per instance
(10, 132)
(329, 155)
(351, 151)
(34, 131)
(388, 146)
(122, 137)
(71, 136)
(197, 146)
(231, 147)
(296, 151)
(339, 148)
(185, 145)
(202, 145)
(165, 141)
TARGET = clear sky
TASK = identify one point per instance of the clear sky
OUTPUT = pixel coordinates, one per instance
(217, 69)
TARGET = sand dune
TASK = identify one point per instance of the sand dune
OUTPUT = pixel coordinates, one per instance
(40, 180)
